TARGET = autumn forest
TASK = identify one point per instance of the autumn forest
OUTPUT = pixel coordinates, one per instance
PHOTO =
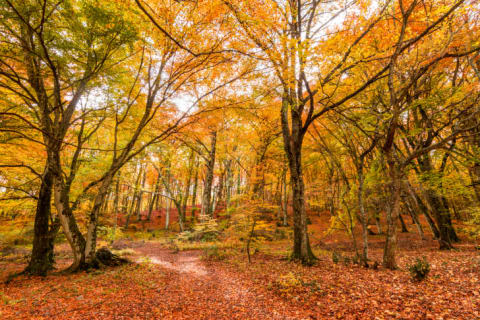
(239, 159)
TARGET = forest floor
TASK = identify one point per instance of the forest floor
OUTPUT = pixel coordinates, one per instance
(162, 283)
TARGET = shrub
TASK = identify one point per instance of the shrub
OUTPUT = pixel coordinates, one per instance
(420, 269)
(336, 257)
(207, 230)
(286, 283)
(213, 253)
(110, 234)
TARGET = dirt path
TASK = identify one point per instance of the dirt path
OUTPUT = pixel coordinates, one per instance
(161, 285)
(206, 291)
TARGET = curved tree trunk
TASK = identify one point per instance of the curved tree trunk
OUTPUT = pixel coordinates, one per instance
(69, 225)
(91, 240)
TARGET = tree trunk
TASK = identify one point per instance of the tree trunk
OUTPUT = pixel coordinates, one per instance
(140, 196)
(220, 190)
(393, 210)
(115, 205)
(69, 224)
(134, 198)
(474, 172)
(42, 258)
(415, 220)
(292, 141)
(436, 203)
(154, 198)
(285, 199)
(167, 215)
(377, 223)
(188, 184)
(423, 208)
(91, 240)
(301, 245)
(210, 166)
(402, 222)
(363, 216)
(229, 182)
(194, 194)
(447, 233)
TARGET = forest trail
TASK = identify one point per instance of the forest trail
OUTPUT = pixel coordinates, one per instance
(213, 291)
(160, 284)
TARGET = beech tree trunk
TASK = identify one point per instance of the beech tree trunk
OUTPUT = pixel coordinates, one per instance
(69, 225)
(42, 258)
(91, 240)
(439, 210)
(393, 210)
(167, 215)
(115, 204)
(153, 199)
(210, 165)
(402, 222)
(140, 196)
(229, 183)
(285, 203)
(363, 217)
(194, 193)
(293, 139)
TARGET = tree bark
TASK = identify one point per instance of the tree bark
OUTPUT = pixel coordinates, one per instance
(393, 209)
(154, 198)
(363, 215)
(91, 239)
(42, 257)
(402, 222)
(293, 148)
(210, 166)
(194, 193)
(140, 196)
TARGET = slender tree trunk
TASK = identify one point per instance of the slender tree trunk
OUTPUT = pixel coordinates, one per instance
(285, 198)
(69, 224)
(210, 166)
(229, 182)
(158, 201)
(363, 215)
(474, 172)
(188, 184)
(140, 196)
(423, 208)
(415, 220)
(91, 240)
(194, 193)
(167, 214)
(436, 203)
(154, 198)
(377, 223)
(220, 190)
(402, 222)
(239, 181)
(134, 198)
(125, 201)
(278, 198)
(115, 205)
(447, 233)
